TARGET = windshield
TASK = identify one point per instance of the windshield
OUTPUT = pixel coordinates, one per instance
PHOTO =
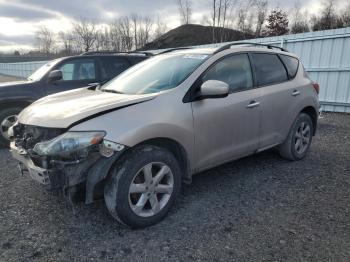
(156, 74)
(39, 73)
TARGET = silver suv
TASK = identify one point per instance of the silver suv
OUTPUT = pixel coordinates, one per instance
(135, 139)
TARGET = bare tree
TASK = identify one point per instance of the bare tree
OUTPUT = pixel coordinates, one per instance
(346, 16)
(125, 33)
(299, 20)
(144, 31)
(135, 19)
(114, 34)
(214, 16)
(261, 7)
(328, 19)
(160, 28)
(46, 39)
(86, 34)
(140, 27)
(67, 41)
(219, 13)
(185, 9)
(242, 18)
(223, 17)
(103, 38)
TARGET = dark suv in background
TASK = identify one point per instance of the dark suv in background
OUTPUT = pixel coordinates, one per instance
(59, 75)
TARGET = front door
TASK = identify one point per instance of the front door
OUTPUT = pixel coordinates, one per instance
(227, 128)
(76, 73)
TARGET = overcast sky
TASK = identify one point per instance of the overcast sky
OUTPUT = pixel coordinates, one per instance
(19, 19)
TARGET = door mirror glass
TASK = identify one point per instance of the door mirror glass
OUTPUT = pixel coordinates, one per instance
(55, 75)
(213, 89)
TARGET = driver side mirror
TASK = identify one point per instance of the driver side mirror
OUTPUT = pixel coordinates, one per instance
(54, 76)
(213, 89)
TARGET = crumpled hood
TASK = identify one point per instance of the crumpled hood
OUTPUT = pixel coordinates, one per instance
(64, 109)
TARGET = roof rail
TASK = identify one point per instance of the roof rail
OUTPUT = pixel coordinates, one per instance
(228, 46)
(173, 49)
(115, 52)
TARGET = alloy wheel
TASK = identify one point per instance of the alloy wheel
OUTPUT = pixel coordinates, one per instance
(151, 189)
(302, 137)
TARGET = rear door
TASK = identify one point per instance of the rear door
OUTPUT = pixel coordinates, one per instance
(77, 72)
(226, 128)
(277, 96)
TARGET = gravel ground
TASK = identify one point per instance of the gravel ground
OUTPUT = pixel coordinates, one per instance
(260, 208)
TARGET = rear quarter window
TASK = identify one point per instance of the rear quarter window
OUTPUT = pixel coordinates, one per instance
(291, 64)
(269, 69)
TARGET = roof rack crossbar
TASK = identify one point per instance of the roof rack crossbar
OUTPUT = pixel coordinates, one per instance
(228, 46)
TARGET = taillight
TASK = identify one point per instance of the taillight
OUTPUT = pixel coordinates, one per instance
(316, 87)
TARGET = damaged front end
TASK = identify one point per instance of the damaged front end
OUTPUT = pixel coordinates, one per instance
(64, 161)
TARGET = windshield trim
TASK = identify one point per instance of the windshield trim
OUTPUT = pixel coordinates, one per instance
(207, 56)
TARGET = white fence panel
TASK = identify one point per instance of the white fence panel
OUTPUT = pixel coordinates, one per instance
(22, 69)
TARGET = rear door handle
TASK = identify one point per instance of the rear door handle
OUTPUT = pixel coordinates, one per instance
(253, 104)
(295, 93)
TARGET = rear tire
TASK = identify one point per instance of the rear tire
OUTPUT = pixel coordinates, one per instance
(299, 139)
(142, 186)
(6, 119)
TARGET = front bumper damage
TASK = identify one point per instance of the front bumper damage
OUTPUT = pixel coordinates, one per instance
(66, 176)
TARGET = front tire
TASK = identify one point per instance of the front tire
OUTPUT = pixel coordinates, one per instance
(299, 139)
(8, 117)
(143, 186)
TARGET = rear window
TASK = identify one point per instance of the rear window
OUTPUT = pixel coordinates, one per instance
(291, 64)
(269, 69)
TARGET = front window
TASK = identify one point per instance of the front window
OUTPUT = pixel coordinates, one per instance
(38, 74)
(157, 74)
(78, 69)
(234, 70)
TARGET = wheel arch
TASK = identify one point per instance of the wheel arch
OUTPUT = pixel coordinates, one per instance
(177, 150)
(311, 111)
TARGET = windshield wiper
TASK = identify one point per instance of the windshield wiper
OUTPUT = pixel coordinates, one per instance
(111, 91)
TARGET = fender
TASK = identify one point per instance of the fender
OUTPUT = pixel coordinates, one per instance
(16, 99)
(294, 111)
(97, 173)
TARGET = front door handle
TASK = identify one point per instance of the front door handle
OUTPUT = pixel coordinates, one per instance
(253, 104)
(295, 93)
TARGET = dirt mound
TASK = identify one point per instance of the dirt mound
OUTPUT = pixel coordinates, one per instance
(188, 35)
